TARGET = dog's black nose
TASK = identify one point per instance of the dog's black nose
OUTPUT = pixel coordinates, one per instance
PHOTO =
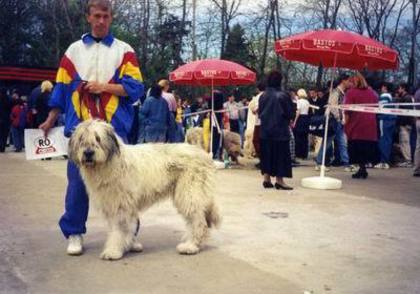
(88, 154)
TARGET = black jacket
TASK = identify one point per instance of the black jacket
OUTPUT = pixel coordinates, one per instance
(275, 109)
(5, 109)
(406, 120)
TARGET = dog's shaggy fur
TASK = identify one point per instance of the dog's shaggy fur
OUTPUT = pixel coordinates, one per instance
(125, 180)
(231, 141)
(232, 145)
(194, 136)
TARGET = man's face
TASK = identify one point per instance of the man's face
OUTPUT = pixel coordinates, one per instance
(320, 94)
(100, 21)
(231, 98)
(312, 94)
(384, 89)
(347, 84)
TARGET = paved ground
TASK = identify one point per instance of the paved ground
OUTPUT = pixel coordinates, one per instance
(361, 239)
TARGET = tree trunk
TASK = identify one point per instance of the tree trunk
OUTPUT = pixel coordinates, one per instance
(276, 28)
(194, 45)
(319, 76)
(223, 25)
(267, 32)
(144, 33)
(412, 61)
(68, 20)
(57, 52)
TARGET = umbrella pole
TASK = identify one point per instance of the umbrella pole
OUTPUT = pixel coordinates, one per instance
(327, 115)
(324, 145)
(322, 182)
(212, 118)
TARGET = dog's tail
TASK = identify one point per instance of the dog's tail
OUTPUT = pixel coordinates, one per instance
(213, 217)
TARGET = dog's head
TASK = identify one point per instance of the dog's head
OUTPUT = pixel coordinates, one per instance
(93, 143)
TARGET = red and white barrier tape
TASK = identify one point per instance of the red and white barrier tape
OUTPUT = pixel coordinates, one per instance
(390, 104)
(225, 110)
(377, 110)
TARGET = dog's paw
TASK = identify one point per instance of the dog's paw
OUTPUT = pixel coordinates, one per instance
(136, 247)
(187, 248)
(109, 254)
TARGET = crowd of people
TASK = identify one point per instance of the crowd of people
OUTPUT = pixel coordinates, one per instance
(19, 112)
(384, 140)
(355, 140)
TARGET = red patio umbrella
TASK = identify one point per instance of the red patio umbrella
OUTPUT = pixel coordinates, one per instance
(333, 48)
(212, 72)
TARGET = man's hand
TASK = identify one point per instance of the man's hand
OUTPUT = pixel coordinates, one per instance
(94, 87)
(46, 126)
(50, 121)
(99, 88)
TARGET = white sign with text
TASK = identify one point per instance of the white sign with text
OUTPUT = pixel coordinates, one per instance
(37, 146)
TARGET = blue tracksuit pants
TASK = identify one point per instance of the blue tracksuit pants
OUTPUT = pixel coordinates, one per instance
(73, 221)
(386, 130)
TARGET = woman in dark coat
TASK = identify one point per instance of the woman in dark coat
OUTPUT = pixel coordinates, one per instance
(275, 110)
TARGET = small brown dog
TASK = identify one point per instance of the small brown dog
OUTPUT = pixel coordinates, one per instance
(231, 142)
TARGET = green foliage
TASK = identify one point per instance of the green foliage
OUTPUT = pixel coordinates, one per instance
(37, 33)
(15, 21)
(237, 50)
(166, 47)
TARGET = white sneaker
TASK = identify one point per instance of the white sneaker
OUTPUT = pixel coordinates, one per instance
(350, 168)
(405, 164)
(75, 246)
(318, 168)
(382, 165)
(379, 166)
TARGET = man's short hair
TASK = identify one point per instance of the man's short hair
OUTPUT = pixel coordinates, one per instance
(104, 5)
(261, 85)
(389, 86)
(155, 91)
(274, 79)
(342, 77)
(405, 86)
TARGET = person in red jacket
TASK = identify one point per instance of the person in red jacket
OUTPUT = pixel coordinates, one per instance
(18, 118)
(361, 128)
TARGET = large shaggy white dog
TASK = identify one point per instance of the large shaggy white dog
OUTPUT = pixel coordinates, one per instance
(124, 180)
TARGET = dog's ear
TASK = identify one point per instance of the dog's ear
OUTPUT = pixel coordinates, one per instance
(115, 148)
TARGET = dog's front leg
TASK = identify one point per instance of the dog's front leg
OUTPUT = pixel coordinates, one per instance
(116, 243)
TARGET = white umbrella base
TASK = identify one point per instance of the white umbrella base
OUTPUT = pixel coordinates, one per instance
(321, 183)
